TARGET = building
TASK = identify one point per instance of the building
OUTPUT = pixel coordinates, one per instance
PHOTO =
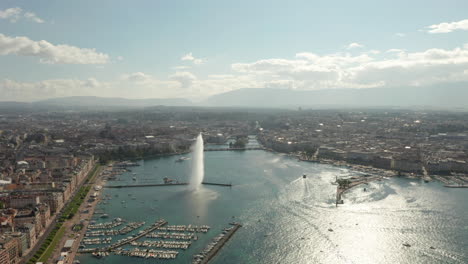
(68, 245)
(9, 250)
(24, 201)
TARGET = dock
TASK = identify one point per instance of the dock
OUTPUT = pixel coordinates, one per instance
(232, 149)
(456, 186)
(155, 226)
(219, 241)
(145, 185)
(164, 184)
(218, 184)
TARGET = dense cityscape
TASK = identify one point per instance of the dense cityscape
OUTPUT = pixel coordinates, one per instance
(48, 158)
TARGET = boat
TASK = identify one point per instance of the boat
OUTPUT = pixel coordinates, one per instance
(406, 245)
(100, 254)
(134, 178)
(304, 176)
(104, 216)
(182, 159)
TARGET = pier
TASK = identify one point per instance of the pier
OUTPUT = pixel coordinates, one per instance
(164, 184)
(456, 186)
(218, 184)
(155, 226)
(232, 149)
(146, 185)
(214, 247)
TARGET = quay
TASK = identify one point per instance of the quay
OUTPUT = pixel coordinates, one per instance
(456, 186)
(218, 184)
(164, 184)
(232, 149)
(145, 185)
(211, 251)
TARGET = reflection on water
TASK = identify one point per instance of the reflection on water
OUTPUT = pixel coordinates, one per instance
(198, 201)
(289, 219)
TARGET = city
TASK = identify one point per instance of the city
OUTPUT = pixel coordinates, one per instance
(48, 159)
(233, 132)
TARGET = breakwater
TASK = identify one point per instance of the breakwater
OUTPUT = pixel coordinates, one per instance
(215, 246)
(164, 184)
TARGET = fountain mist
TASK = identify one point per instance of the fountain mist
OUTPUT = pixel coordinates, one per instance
(198, 169)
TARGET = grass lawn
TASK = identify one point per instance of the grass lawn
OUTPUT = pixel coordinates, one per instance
(46, 255)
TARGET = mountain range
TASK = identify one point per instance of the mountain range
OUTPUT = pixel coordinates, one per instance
(452, 96)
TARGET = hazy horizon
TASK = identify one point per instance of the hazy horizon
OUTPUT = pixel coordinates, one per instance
(183, 49)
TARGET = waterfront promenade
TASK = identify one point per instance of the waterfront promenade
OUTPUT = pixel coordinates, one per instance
(80, 218)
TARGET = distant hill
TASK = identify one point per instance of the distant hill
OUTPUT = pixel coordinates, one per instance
(441, 97)
(94, 101)
(80, 103)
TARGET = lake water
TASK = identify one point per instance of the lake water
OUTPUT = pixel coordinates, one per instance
(288, 219)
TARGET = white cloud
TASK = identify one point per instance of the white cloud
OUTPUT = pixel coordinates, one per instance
(305, 71)
(448, 27)
(11, 14)
(341, 70)
(181, 67)
(33, 17)
(50, 53)
(354, 45)
(133, 85)
(137, 77)
(29, 91)
(185, 79)
(190, 57)
(15, 14)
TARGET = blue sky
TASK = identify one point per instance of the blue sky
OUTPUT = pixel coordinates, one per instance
(193, 49)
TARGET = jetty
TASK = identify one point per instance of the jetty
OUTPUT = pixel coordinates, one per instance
(233, 149)
(129, 240)
(164, 184)
(218, 184)
(456, 186)
(215, 246)
(145, 185)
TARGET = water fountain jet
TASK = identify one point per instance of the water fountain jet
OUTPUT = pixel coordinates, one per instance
(198, 170)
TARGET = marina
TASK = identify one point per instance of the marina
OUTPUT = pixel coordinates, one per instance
(148, 253)
(163, 244)
(160, 229)
(177, 236)
(267, 186)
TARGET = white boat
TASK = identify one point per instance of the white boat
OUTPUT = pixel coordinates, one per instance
(182, 159)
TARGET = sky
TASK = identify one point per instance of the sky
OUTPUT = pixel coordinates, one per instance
(195, 49)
